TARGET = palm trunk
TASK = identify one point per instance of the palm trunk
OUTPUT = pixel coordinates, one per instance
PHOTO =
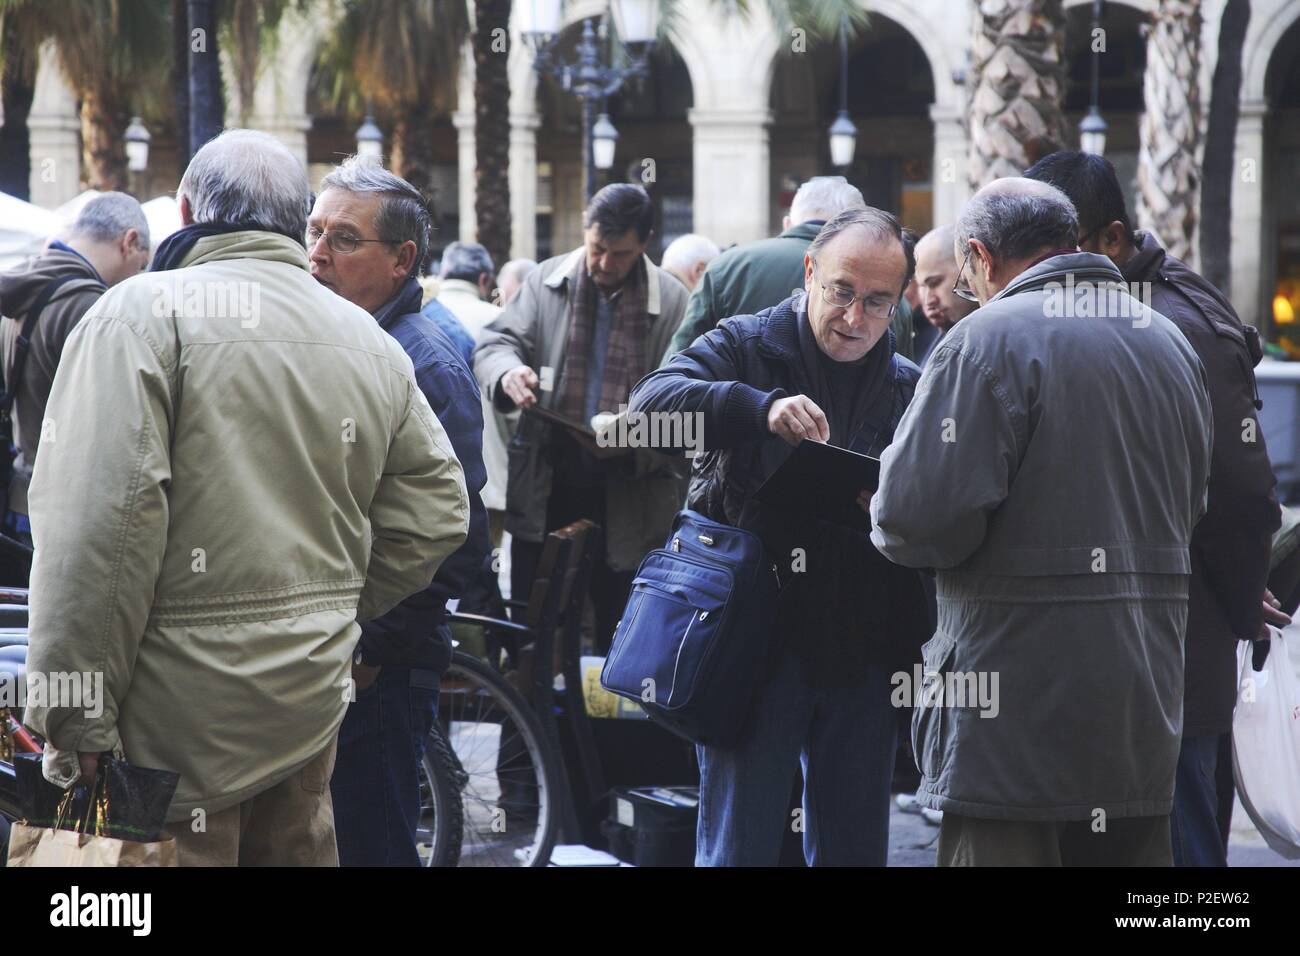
(17, 91)
(206, 117)
(1017, 96)
(180, 79)
(1168, 180)
(411, 149)
(491, 130)
(103, 148)
(1220, 146)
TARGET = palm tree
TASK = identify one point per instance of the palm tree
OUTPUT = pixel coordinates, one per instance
(1168, 179)
(1220, 145)
(492, 129)
(400, 57)
(1017, 98)
(104, 48)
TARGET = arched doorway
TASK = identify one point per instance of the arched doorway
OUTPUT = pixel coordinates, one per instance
(1281, 233)
(890, 90)
(654, 149)
(1122, 66)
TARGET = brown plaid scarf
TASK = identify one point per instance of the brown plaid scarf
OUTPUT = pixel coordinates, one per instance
(625, 360)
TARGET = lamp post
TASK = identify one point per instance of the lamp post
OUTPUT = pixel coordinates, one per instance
(587, 77)
(370, 140)
(844, 135)
(137, 150)
(1092, 130)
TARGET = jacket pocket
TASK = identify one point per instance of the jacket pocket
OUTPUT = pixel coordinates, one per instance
(928, 721)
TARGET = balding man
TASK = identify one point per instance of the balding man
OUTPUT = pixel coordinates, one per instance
(936, 273)
(756, 276)
(688, 256)
(46, 298)
(1051, 467)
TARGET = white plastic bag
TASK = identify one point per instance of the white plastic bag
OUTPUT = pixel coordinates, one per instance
(1266, 745)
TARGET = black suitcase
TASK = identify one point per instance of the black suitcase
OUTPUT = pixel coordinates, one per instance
(653, 826)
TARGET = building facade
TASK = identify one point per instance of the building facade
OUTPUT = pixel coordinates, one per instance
(735, 114)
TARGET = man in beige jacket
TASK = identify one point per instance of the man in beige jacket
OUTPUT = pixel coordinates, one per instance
(240, 467)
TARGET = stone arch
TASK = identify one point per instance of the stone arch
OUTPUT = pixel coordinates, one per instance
(1261, 41)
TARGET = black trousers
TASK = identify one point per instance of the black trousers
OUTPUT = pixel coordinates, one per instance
(609, 588)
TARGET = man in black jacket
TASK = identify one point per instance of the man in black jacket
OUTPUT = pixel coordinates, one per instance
(1230, 547)
(367, 235)
(819, 366)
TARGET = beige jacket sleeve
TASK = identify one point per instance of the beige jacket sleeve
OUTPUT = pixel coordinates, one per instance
(420, 512)
(99, 511)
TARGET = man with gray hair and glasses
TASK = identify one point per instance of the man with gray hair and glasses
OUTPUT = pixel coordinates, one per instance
(818, 366)
(244, 467)
(747, 279)
(1051, 468)
(42, 303)
(367, 237)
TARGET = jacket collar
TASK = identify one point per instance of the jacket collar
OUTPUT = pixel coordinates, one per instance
(248, 244)
(807, 229)
(458, 287)
(575, 260)
(1146, 261)
(1081, 265)
(405, 302)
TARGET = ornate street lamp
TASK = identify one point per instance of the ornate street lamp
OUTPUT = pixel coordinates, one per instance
(844, 135)
(137, 146)
(370, 140)
(1092, 130)
(588, 77)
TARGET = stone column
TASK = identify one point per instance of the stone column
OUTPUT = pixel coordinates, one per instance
(55, 130)
(948, 177)
(465, 165)
(731, 172)
(1249, 297)
(523, 184)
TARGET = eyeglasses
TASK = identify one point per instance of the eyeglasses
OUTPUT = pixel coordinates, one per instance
(872, 308)
(959, 290)
(339, 242)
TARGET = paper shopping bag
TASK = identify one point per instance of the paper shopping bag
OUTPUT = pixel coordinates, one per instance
(45, 846)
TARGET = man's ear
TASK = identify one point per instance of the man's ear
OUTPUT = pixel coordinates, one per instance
(406, 254)
(1112, 239)
(807, 272)
(129, 242)
(187, 211)
(981, 258)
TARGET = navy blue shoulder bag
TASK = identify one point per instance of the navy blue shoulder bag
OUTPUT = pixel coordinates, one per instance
(694, 636)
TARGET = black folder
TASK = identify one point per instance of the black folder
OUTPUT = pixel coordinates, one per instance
(823, 481)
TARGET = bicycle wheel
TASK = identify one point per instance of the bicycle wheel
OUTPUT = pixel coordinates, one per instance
(442, 813)
(512, 773)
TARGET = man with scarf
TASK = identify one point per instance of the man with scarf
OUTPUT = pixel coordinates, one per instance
(819, 366)
(585, 327)
(367, 236)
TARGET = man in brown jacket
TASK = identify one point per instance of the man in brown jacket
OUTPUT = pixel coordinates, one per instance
(1230, 548)
(108, 242)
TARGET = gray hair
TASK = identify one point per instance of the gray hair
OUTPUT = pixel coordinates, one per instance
(517, 269)
(466, 260)
(684, 251)
(879, 225)
(110, 216)
(403, 214)
(824, 197)
(245, 176)
(1017, 225)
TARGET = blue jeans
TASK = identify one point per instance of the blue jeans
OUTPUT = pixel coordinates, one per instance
(843, 737)
(375, 787)
(1193, 824)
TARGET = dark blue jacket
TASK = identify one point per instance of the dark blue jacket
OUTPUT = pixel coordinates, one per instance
(452, 328)
(861, 610)
(409, 634)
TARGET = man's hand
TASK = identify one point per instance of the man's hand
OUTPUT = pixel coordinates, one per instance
(864, 499)
(363, 675)
(518, 384)
(797, 418)
(1273, 614)
(89, 767)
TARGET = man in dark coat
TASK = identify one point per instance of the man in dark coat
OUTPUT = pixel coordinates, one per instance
(818, 366)
(401, 655)
(746, 279)
(1230, 549)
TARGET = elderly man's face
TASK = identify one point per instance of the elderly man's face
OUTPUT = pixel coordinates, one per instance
(854, 262)
(372, 273)
(611, 258)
